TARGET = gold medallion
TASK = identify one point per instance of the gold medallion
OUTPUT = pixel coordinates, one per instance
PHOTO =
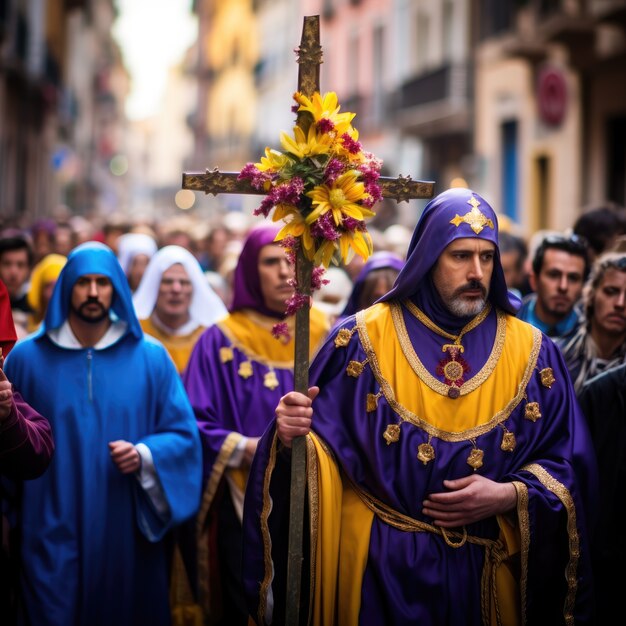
(508, 442)
(245, 369)
(392, 433)
(354, 369)
(371, 404)
(226, 354)
(547, 377)
(343, 338)
(270, 381)
(532, 411)
(425, 453)
(475, 459)
(453, 371)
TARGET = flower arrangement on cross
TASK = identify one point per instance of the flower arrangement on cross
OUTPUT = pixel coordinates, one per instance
(322, 184)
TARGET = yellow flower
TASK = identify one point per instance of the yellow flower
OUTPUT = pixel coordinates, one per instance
(302, 147)
(325, 106)
(341, 198)
(295, 226)
(273, 161)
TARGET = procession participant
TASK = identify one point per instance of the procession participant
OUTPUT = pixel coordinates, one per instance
(127, 466)
(450, 470)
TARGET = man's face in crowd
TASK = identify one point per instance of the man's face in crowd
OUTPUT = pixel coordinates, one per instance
(462, 275)
(175, 291)
(136, 270)
(14, 270)
(275, 272)
(92, 296)
(558, 285)
(609, 304)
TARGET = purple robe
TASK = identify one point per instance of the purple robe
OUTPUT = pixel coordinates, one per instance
(415, 577)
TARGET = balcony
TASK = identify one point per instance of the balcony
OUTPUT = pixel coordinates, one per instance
(431, 102)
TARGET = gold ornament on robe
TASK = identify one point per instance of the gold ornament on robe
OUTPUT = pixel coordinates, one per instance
(425, 453)
(245, 369)
(474, 218)
(355, 369)
(475, 459)
(508, 442)
(343, 338)
(547, 377)
(270, 381)
(226, 354)
(371, 404)
(392, 433)
(532, 411)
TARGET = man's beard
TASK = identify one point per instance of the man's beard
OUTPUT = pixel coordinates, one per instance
(464, 308)
(86, 317)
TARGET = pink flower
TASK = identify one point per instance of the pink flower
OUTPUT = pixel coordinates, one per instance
(353, 147)
(296, 302)
(325, 125)
(281, 331)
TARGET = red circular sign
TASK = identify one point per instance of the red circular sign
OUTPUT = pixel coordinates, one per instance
(552, 96)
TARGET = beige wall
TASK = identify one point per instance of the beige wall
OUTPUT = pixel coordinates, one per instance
(505, 91)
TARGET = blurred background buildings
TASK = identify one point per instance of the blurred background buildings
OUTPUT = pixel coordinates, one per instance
(522, 100)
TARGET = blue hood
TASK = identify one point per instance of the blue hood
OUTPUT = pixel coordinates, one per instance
(91, 258)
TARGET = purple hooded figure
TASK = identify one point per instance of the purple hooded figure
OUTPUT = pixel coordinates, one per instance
(377, 271)
(237, 373)
(450, 475)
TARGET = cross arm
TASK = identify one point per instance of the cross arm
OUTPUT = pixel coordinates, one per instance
(401, 189)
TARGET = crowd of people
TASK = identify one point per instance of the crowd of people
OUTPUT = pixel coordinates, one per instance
(464, 427)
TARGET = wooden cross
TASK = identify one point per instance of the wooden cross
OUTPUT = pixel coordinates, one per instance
(401, 189)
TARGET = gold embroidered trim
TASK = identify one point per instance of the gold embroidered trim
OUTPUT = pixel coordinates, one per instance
(203, 582)
(523, 521)
(563, 494)
(409, 416)
(265, 534)
(418, 367)
(547, 377)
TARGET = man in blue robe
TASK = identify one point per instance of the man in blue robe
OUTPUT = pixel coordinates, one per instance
(128, 460)
(450, 470)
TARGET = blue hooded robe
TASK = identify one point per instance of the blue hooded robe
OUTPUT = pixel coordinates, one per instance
(92, 550)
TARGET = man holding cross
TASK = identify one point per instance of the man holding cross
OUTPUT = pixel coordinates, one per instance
(450, 476)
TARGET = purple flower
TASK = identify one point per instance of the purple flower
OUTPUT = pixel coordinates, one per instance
(349, 223)
(317, 278)
(281, 331)
(296, 302)
(334, 169)
(324, 227)
(353, 147)
(325, 125)
(257, 178)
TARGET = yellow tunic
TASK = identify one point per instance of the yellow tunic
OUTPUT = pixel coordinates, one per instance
(179, 347)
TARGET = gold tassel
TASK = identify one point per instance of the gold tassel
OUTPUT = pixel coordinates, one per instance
(245, 369)
(226, 354)
(392, 433)
(270, 381)
(532, 411)
(343, 338)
